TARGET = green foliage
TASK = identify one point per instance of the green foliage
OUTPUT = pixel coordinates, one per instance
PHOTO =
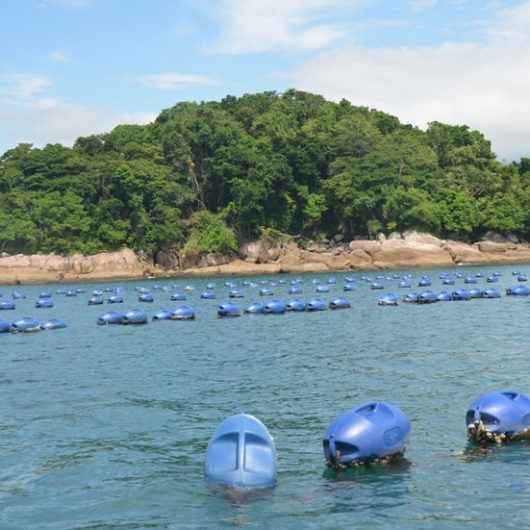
(209, 233)
(208, 175)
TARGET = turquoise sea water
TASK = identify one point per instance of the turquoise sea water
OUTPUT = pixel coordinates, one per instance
(106, 427)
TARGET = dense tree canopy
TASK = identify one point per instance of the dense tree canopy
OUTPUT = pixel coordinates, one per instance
(205, 176)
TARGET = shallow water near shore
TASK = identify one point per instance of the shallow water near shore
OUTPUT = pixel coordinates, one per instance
(107, 427)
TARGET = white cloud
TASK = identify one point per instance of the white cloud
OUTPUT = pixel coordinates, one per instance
(23, 86)
(29, 115)
(484, 84)
(175, 80)
(257, 26)
(59, 57)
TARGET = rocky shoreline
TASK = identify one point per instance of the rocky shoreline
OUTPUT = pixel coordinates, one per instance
(266, 257)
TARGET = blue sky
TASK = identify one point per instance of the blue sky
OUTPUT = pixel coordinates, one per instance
(73, 67)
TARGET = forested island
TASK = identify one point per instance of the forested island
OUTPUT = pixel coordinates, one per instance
(207, 177)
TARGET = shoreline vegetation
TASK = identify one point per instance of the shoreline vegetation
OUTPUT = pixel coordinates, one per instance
(264, 256)
(265, 182)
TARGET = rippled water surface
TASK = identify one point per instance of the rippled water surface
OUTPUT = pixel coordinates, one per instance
(107, 427)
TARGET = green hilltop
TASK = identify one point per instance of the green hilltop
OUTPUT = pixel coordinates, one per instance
(208, 176)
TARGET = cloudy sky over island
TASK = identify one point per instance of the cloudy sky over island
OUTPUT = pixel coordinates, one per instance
(75, 67)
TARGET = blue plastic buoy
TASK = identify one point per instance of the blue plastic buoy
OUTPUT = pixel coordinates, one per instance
(339, 303)
(97, 292)
(241, 454)
(296, 306)
(236, 293)
(498, 416)
(475, 292)
(112, 317)
(275, 307)
(178, 297)
(377, 285)
(115, 299)
(42, 303)
(183, 312)
(163, 314)
(26, 325)
(296, 289)
(405, 284)
(389, 299)
(322, 289)
(70, 294)
(95, 300)
(470, 280)
(461, 295)
(411, 298)
(54, 323)
(491, 292)
(255, 308)
(5, 326)
(448, 281)
(316, 305)
(522, 278)
(427, 297)
(208, 295)
(518, 290)
(17, 295)
(266, 292)
(371, 432)
(135, 317)
(492, 279)
(349, 287)
(228, 310)
(146, 297)
(425, 282)
(45, 294)
(7, 305)
(444, 296)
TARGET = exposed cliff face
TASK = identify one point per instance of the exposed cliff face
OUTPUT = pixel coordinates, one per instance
(265, 257)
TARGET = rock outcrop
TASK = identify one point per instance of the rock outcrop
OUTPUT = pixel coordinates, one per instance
(411, 249)
(50, 268)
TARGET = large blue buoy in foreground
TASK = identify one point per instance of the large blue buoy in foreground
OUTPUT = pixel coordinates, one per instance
(518, 290)
(498, 416)
(228, 310)
(374, 431)
(275, 307)
(295, 306)
(316, 305)
(255, 308)
(163, 314)
(241, 454)
(390, 299)
(112, 317)
(25, 325)
(54, 323)
(183, 312)
(135, 317)
(339, 303)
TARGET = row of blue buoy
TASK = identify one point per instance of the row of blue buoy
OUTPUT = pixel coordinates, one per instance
(139, 317)
(29, 324)
(241, 454)
(277, 307)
